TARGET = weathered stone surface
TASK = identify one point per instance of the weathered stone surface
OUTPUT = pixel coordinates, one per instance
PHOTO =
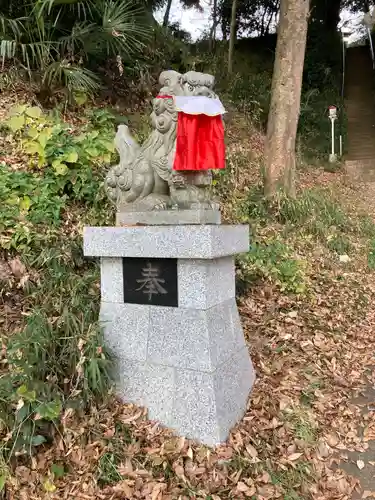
(147, 384)
(205, 283)
(179, 337)
(111, 281)
(172, 336)
(233, 381)
(168, 217)
(207, 405)
(184, 242)
(194, 339)
(126, 329)
(199, 405)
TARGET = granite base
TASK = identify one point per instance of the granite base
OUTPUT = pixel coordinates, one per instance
(189, 365)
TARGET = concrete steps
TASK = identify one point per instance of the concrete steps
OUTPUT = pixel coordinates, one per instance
(360, 112)
(361, 170)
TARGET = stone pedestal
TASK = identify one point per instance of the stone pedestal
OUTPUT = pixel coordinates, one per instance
(187, 361)
(168, 217)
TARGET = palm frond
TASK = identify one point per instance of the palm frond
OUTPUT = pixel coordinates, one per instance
(122, 30)
(81, 79)
(58, 33)
(82, 7)
(31, 55)
(114, 14)
(79, 38)
(11, 26)
(74, 78)
(8, 49)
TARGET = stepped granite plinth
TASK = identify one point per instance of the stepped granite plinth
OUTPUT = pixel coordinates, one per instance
(170, 317)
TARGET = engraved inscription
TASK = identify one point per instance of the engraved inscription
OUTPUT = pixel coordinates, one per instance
(151, 283)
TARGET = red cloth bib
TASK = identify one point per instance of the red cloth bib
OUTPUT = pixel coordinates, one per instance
(200, 141)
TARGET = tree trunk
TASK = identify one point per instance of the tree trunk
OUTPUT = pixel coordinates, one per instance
(232, 36)
(167, 12)
(214, 25)
(285, 97)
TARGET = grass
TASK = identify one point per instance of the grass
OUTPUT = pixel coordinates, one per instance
(303, 426)
(371, 255)
(57, 360)
(272, 260)
(108, 469)
(285, 230)
(308, 395)
(313, 210)
(291, 479)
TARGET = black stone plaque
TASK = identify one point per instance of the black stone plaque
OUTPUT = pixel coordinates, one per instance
(150, 281)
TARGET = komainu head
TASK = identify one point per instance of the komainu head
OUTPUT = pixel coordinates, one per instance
(191, 83)
(194, 83)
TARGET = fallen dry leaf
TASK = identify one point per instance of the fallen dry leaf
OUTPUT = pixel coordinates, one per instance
(18, 269)
(251, 450)
(323, 450)
(360, 464)
(332, 439)
(368, 494)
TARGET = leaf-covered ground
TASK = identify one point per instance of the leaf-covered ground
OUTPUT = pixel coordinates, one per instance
(307, 311)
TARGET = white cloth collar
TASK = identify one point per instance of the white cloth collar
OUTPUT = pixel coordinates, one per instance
(199, 105)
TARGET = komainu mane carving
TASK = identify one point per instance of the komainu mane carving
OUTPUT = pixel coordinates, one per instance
(144, 179)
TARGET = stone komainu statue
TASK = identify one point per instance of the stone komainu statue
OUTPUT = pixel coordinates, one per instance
(144, 179)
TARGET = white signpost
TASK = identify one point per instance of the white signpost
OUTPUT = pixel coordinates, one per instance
(333, 117)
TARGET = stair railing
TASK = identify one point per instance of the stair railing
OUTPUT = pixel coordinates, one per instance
(343, 65)
(371, 46)
(341, 114)
(368, 21)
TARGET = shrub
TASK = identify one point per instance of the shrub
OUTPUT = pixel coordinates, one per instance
(56, 362)
(65, 163)
(57, 41)
(323, 59)
(273, 261)
(314, 127)
(52, 143)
